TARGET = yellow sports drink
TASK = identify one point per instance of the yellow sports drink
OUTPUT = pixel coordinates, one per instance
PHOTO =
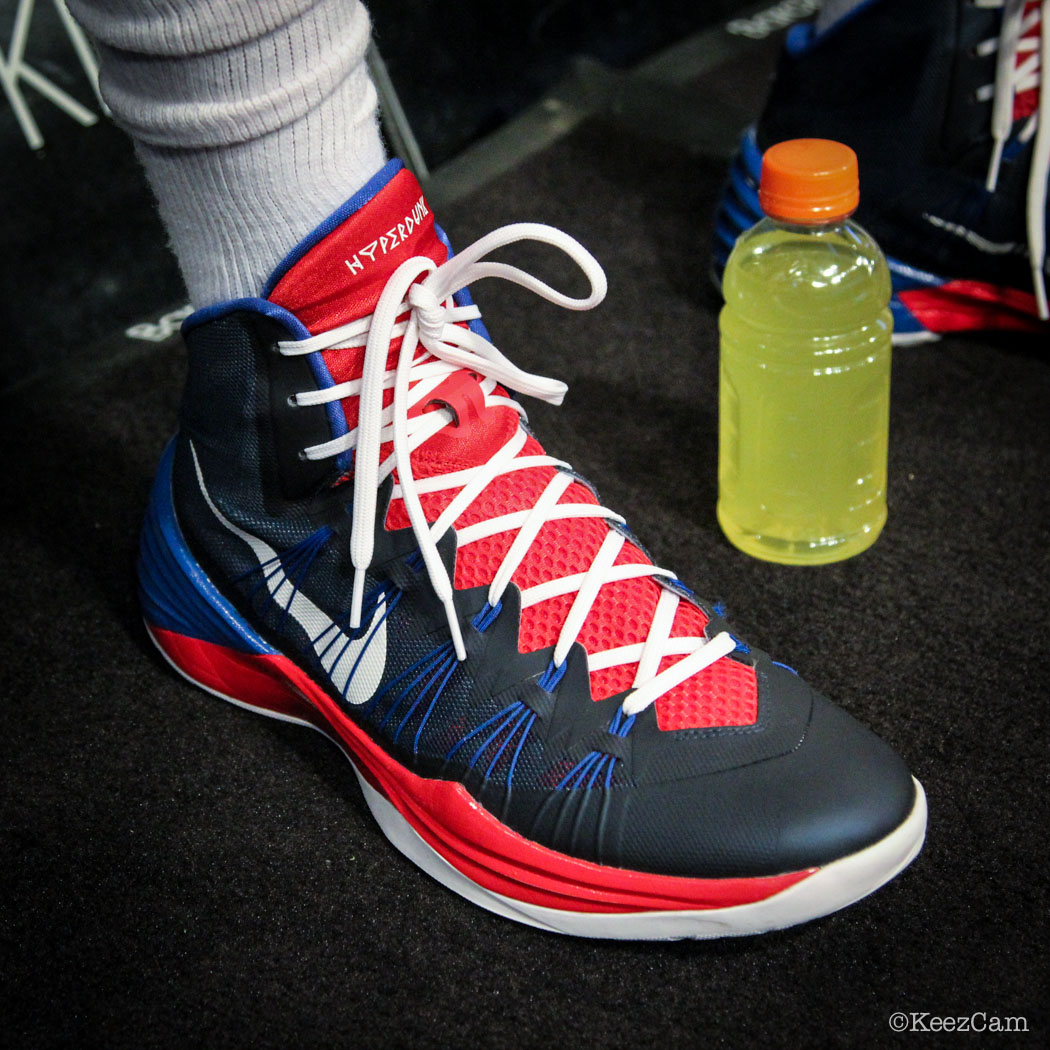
(804, 386)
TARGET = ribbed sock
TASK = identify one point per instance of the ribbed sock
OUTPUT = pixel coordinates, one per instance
(254, 121)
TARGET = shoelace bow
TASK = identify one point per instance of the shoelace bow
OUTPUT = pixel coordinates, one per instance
(424, 315)
(1023, 54)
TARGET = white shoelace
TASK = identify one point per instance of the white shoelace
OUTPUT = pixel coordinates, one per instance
(424, 315)
(1013, 77)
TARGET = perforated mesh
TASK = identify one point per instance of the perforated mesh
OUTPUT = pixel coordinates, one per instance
(623, 610)
(723, 694)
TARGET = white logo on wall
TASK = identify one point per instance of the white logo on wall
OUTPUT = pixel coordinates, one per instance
(164, 328)
(772, 19)
(15, 73)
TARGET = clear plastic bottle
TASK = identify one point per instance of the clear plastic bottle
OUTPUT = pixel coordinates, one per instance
(805, 367)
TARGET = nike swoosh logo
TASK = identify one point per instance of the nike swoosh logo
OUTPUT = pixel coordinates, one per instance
(355, 665)
(975, 239)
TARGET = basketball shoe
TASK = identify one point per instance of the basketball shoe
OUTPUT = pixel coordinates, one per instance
(354, 529)
(948, 110)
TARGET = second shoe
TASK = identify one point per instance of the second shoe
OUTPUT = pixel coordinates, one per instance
(947, 106)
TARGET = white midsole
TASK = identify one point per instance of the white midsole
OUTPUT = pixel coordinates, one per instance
(834, 886)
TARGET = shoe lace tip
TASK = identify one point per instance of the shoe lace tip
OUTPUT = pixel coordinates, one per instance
(357, 600)
(457, 632)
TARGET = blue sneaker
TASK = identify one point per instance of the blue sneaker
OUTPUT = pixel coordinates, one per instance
(354, 530)
(948, 111)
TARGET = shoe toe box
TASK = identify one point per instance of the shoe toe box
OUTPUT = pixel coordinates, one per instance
(838, 790)
(842, 790)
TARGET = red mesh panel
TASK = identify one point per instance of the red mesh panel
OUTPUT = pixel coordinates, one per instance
(620, 616)
(541, 624)
(478, 563)
(724, 694)
(612, 680)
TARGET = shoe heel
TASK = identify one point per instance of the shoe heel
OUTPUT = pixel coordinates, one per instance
(197, 630)
(738, 208)
(933, 305)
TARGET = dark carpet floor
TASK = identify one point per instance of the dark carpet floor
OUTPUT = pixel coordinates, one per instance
(182, 873)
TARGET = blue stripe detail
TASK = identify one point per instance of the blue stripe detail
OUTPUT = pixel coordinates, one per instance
(334, 409)
(385, 592)
(277, 313)
(510, 710)
(525, 715)
(425, 666)
(621, 723)
(576, 775)
(738, 210)
(451, 664)
(906, 278)
(722, 247)
(548, 681)
(443, 672)
(746, 172)
(364, 648)
(176, 593)
(293, 564)
(486, 617)
(390, 606)
(425, 662)
(517, 751)
(514, 711)
(738, 220)
(597, 769)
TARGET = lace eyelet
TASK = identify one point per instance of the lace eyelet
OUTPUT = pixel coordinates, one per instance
(447, 405)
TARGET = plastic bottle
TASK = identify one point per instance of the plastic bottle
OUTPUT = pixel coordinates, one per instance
(805, 367)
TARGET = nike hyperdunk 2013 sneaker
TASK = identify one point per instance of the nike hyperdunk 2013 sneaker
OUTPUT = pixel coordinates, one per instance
(947, 106)
(354, 529)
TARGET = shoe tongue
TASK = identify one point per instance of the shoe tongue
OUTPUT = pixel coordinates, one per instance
(337, 274)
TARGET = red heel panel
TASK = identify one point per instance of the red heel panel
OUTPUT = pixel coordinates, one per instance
(961, 306)
(258, 680)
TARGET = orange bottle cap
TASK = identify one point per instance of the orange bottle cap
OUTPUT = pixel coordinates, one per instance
(809, 180)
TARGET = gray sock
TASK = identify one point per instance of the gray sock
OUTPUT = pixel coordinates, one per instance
(253, 120)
